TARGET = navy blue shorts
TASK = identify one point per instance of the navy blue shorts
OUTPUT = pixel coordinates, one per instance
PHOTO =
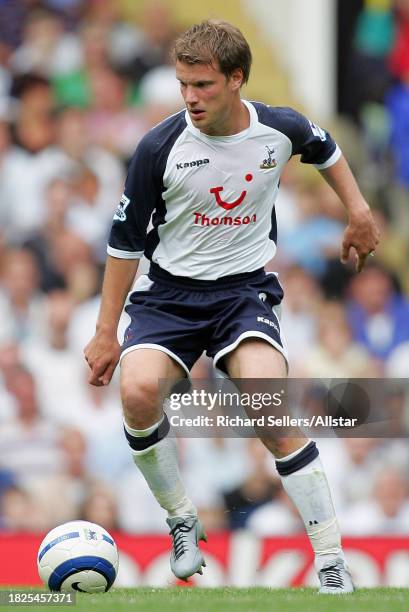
(184, 317)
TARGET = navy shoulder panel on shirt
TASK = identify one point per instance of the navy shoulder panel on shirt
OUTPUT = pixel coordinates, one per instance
(314, 144)
(144, 186)
(158, 142)
(161, 138)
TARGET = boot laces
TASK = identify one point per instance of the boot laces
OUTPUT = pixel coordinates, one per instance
(333, 577)
(178, 532)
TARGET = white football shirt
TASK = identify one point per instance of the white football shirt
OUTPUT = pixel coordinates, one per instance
(211, 198)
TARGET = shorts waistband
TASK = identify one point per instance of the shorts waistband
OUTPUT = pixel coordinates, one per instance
(158, 274)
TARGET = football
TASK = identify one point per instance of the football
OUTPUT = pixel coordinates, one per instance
(78, 556)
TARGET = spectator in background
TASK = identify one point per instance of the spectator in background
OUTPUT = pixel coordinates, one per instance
(29, 443)
(278, 517)
(12, 19)
(7, 153)
(259, 486)
(58, 198)
(160, 93)
(70, 11)
(46, 48)
(53, 364)
(386, 512)
(399, 55)
(96, 415)
(24, 164)
(101, 507)
(334, 355)
(74, 261)
(74, 150)
(396, 410)
(112, 123)
(360, 458)
(393, 250)
(9, 358)
(299, 317)
(397, 103)
(19, 512)
(125, 39)
(212, 467)
(374, 36)
(138, 512)
(82, 216)
(378, 315)
(5, 74)
(59, 495)
(73, 87)
(397, 100)
(83, 320)
(158, 33)
(318, 233)
(21, 302)
(397, 365)
(65, 258)
(33, 128)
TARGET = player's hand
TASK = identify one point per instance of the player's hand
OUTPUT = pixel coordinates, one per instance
(102, 355)
(362, 234)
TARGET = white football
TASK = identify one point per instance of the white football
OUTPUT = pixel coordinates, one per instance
(78, 556)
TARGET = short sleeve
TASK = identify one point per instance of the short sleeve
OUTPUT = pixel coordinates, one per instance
(314, 144)
(132, 216)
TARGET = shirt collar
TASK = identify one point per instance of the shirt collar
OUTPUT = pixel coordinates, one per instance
(226, 139)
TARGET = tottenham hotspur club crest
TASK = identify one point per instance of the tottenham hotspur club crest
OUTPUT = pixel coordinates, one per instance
(269, 162)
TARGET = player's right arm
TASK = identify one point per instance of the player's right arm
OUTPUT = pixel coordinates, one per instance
(103, 351)
(128, 239)
(126, 246)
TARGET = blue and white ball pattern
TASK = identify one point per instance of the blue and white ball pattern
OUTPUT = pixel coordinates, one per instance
(78, 556)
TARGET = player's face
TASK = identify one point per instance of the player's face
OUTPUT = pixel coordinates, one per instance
(211, 98)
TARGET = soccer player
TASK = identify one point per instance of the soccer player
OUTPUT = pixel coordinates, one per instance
(207, 178)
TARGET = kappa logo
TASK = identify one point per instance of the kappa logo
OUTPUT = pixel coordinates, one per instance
(268, 322)
(269, 162)
(192, 164)
(120, 214)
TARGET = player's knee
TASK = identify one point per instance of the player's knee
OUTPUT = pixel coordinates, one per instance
(140, 402)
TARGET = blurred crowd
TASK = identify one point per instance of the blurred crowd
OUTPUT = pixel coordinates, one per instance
(79, 86)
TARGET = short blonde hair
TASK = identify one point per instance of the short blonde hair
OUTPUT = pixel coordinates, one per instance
(211, 41)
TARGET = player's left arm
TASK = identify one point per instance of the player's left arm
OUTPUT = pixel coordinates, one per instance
(316, 146)
(361, 233)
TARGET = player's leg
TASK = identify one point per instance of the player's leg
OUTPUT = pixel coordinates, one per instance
(155, 453)
(302, 473)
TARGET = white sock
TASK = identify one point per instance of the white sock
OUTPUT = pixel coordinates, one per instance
(159, 466)
(309, 491)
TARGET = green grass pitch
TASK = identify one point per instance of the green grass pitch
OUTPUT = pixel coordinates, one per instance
(235, 600)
